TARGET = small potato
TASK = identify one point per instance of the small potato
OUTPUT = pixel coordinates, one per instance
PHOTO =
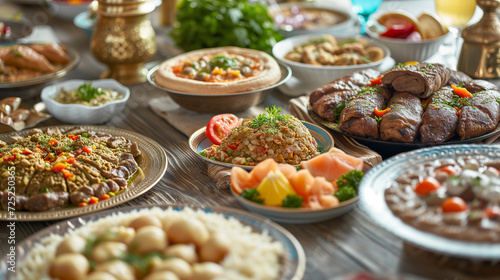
(70, 266)
(119, 269)
(161, 275)
(71, 244)
(106, 250)
(188, 231)
(119, 234)
(145, 220)
(215, 249)
(100, 275)
(149, 239)
(186, 252)
(178, 266)
(207, 271)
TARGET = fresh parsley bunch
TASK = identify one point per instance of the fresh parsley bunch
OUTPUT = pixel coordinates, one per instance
(216, 23)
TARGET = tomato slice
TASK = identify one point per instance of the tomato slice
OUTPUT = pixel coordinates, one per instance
(220, 126)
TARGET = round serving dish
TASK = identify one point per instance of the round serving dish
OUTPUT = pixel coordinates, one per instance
(340, 19)
(18, 30)
(153, 161)
(293, 260)
(220, 103)
(198, 142)
(380, 177)
(82, 114)
(388, 148)
(317, 75)
(403, 50)
(296, 215)
(31, 88)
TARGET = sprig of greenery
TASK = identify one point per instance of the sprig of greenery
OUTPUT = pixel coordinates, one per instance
(347, 185)
(86, 92)
(223, 62)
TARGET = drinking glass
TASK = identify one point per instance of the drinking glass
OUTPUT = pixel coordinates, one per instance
(456, 15)
(364, 8)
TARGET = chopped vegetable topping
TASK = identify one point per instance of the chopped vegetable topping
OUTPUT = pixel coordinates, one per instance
(380, 113)
(427, 185)
(454, 204)
(347, 185)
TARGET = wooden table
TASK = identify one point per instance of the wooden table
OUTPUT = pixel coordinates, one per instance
(343, 245)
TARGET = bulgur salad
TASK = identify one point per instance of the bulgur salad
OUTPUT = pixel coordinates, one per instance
(272, 135)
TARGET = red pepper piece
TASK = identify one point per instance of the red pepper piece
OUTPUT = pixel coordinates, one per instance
(462, 92)
(27, 151)
(380, 113)
(87, 149)
(377, 81)
(232, 146)
(67, 173)
(52, 142)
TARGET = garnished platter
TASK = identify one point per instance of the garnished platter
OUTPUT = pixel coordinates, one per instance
(199, 142)
(292, 259)
(152, 164)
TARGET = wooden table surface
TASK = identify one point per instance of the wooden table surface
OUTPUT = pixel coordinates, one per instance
(333, 248)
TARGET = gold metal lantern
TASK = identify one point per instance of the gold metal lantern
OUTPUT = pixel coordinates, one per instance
(123, 38)
(480, 54)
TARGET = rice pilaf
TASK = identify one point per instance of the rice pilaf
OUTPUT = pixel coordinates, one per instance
(281, 137)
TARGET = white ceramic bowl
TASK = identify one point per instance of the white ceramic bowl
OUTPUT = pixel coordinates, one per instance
(82, 114)
(314, 75)
(345, 19)
(67, 10)
(403, 50)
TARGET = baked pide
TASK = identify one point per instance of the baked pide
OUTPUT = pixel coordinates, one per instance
(220, 70)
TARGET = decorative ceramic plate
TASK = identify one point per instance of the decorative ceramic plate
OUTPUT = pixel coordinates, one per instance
(293, 260)
(199, 142)
(391, 148)
(372, 200)
(152, 161)
(75, 59)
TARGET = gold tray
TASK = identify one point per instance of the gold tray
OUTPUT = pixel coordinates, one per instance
(153, 162)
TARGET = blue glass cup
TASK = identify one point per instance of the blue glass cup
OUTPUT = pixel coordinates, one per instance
(364, 8)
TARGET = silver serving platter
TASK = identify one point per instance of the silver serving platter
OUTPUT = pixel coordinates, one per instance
(152, 161)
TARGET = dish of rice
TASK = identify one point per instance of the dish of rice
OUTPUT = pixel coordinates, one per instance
(281, 137)
(163, 243)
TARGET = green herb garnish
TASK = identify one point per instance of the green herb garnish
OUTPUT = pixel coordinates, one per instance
(292, 201)
(338, 110)
(223, 62)
(252, 195)
(347, 185)
(86, 92)
(273, 119)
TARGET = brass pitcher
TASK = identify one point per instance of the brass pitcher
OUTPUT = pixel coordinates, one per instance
(480, 54)
(123, 38)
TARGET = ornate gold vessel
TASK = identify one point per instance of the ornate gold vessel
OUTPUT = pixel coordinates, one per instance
(123, 38)
(480, 54)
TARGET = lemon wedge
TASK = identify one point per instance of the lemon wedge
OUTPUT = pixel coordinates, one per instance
(274, 188)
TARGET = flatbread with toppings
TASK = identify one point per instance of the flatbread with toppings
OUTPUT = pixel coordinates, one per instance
(218, 71)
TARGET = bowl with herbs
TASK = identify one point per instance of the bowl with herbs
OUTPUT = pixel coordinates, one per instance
(319, 189)
(85, 102)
